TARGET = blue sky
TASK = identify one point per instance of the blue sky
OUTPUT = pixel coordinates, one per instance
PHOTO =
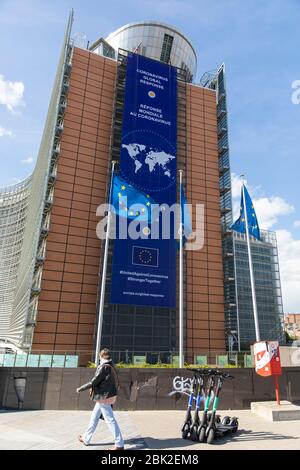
(259, 41)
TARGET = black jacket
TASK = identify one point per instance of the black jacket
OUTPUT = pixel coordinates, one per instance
(104, 383)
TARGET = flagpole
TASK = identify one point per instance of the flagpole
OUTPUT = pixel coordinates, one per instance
(257, 332)
(181, 353)
(104, 268)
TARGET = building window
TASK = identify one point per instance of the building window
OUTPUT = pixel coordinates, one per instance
(166, 48)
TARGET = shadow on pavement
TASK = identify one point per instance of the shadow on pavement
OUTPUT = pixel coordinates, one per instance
(240, 436)
(99, 444)
(168, 443)
(248, 436)
(136, 443)
(243, 435)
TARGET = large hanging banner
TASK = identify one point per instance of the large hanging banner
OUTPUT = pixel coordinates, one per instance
(144, 270)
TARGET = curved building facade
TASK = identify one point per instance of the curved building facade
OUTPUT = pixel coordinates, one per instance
(25, 219)
(156, 40)
(13, 216)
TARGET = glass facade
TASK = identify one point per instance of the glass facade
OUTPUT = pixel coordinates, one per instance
(13, 214)
(25, 218)
(267, 285)
(217, 81)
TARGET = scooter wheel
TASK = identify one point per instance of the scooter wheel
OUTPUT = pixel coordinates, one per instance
(211, 436)
(235, 424)
(202, 434)
(185, 431)
(226, 420)
(194, 434)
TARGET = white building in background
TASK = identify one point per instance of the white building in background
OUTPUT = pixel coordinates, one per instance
(24, 222)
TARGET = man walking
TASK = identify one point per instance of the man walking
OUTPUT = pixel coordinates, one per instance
(103, 390)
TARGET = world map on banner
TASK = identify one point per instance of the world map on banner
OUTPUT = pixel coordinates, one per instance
(153, 166)
(155, 159)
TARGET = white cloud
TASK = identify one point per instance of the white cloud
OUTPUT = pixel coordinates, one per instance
(269, 209)
(297, 223)
(11, 93)
(5, 132)
(235, 186)
(27, 160)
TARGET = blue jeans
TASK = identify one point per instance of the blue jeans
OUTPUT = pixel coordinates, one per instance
(109, 418)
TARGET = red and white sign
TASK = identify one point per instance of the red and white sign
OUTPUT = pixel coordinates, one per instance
(267, 358)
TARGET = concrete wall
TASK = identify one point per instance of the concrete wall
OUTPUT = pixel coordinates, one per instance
(289, 357)
(141, 389)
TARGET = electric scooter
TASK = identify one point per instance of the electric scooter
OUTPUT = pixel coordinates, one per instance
(228, 425)
(206, 415)
(186, 428)
(199, 397)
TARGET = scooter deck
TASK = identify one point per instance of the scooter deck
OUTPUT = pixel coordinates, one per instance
(222, 429)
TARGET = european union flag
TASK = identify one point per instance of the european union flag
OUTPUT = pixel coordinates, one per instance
(185, 217)
(143, 256)
(240, 224)
(129, 202)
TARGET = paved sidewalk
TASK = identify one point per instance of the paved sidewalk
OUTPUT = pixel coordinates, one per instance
(141, 430)
(59, 430)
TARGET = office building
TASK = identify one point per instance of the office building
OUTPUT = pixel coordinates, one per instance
(51, 256)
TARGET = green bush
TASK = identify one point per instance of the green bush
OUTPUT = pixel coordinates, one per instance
(144, 365)
(123, 365)
(212, 366)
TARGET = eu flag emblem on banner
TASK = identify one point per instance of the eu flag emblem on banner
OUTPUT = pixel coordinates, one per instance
(143, 256)
(247, 207)
(130, 202)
